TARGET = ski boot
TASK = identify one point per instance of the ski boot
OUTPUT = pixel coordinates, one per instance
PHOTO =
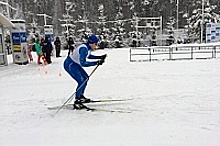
(83, 99)
(78, 105)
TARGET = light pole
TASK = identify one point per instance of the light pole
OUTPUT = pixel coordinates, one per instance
(202, 27)
(177, 19)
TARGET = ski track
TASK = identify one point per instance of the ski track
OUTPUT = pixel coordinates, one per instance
(175, 103)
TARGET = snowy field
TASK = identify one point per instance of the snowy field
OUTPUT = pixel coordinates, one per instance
(176, 103)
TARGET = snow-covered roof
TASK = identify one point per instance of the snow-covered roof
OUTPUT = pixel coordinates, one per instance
(18, 21)
(5, 21)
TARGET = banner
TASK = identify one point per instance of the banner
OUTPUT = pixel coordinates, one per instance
(19, 46)
(48, 32)
(212, 32)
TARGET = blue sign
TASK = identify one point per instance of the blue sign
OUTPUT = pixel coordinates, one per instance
(18, 38)
(19, 45)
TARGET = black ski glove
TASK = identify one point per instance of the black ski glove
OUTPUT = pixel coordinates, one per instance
(103, 56)
(100, 62)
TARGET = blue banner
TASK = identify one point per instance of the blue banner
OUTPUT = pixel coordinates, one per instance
(18, 37)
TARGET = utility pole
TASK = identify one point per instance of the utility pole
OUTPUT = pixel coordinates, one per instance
(55, 19)
(202, 27)
(177, 19)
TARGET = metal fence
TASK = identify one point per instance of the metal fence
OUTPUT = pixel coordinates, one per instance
(175, 52)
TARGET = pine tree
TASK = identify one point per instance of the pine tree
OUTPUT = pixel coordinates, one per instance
(198, 18)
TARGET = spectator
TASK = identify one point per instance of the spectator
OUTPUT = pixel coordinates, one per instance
(57, 44)
(47, 48)
(134, 40)
(39, 53)
(70, 45)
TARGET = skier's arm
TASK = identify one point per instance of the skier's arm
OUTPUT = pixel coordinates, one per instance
(83, 54)
(97, 57)
(94, 57)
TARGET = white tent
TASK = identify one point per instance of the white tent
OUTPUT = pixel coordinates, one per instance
(4, 22)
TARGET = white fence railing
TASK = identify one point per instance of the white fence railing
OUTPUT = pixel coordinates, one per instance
(175, 52)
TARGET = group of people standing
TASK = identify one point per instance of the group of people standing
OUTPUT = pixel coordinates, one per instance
(44, 50)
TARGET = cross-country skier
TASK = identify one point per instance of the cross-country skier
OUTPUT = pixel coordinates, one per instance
(74, 64)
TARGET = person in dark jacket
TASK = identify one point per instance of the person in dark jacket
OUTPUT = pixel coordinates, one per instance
(47, 48)
(57, 44)
(70, 45)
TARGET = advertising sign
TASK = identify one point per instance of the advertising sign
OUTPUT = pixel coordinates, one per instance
(48, 32)
(212, 32)
(19, 46)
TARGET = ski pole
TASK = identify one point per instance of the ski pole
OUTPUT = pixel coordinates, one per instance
(71, 96)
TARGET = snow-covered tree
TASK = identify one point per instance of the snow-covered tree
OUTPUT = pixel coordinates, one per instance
(118, 26)
(200, 17)
(170, 26)
(102, 20)
(85, 13)
(170, 30)
(67, 21)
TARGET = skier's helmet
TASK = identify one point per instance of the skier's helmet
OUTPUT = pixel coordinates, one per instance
(93, 39)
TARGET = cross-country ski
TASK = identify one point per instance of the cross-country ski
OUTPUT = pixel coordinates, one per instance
(92, 109)
(110, 100)
(88, 108)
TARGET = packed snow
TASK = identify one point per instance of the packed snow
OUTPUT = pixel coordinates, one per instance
(175, 103)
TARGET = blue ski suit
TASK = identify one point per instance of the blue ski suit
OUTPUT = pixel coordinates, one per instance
(74, 64)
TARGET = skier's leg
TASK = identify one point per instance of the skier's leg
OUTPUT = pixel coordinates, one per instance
(82, 83)
(74, 72)
(84, 77)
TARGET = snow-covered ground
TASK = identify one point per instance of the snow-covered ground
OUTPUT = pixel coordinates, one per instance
(176, 103)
